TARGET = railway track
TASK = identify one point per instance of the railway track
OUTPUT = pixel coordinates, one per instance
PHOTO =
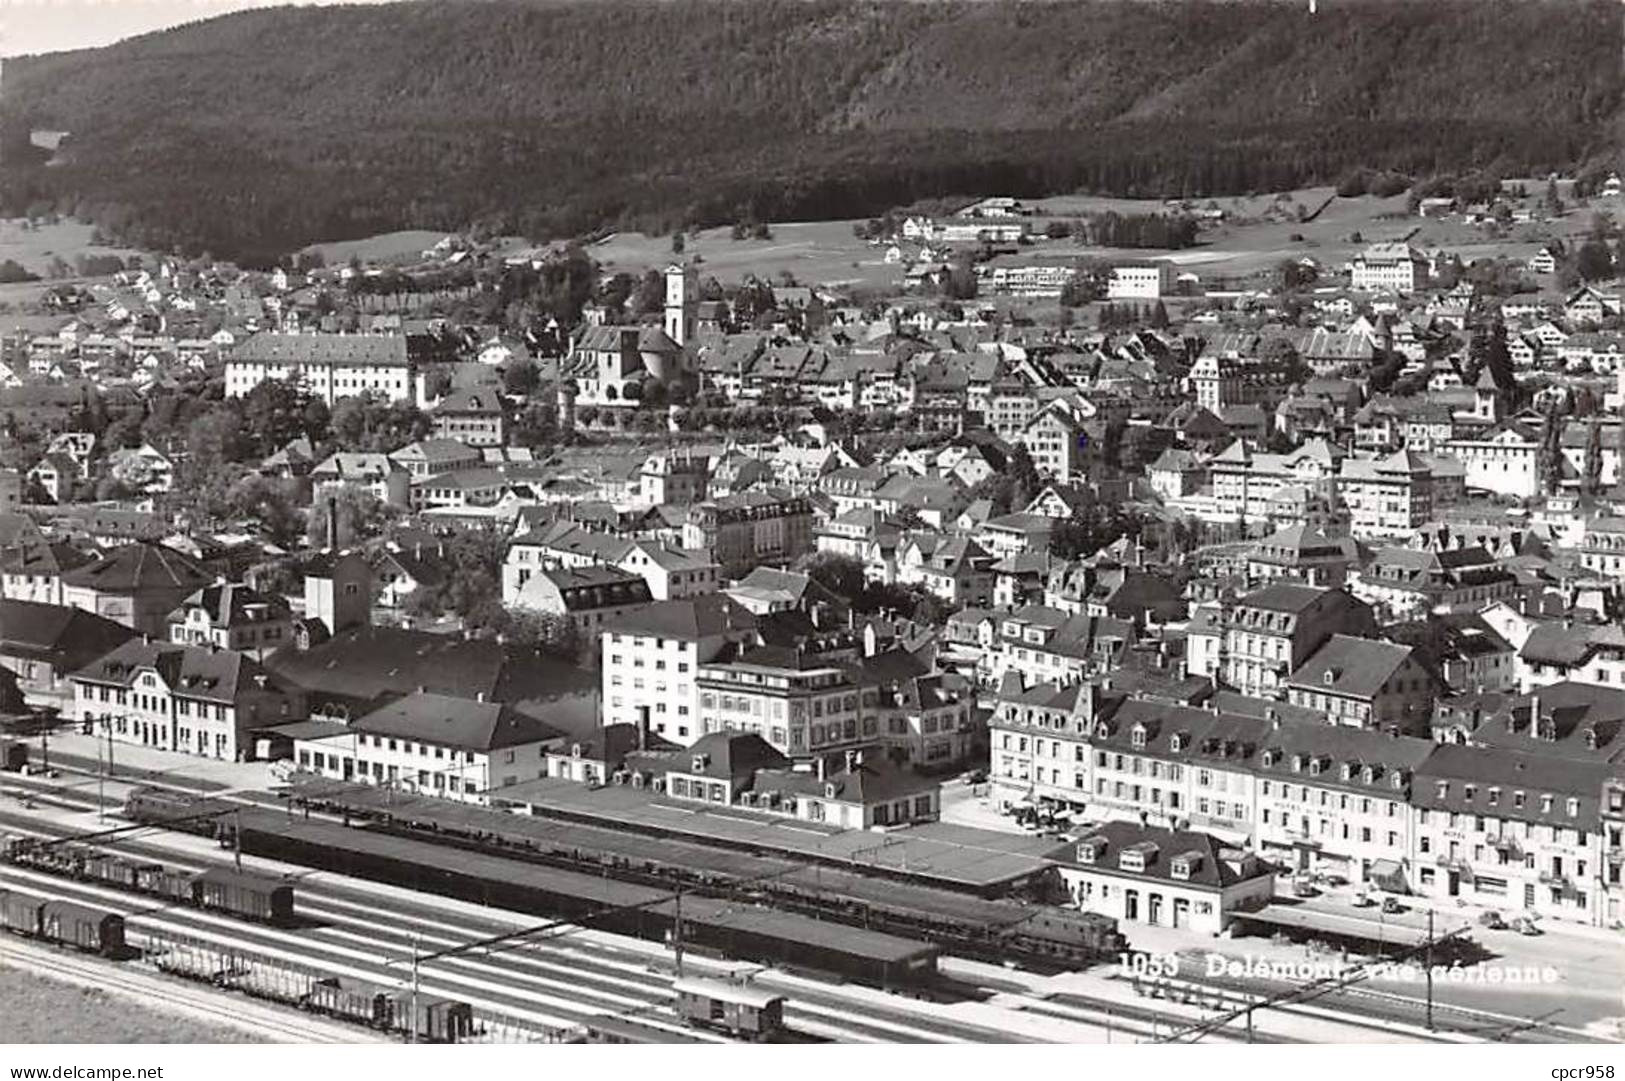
(204, 1005)
(560, 983)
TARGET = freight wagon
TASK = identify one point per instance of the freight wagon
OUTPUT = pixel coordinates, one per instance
(13, 756)
(64, 923)
(351, 1000)
(240, 893)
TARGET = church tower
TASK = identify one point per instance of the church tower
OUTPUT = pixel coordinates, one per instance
(682, 297)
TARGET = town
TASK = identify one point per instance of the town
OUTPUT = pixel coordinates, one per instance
(1041, 583)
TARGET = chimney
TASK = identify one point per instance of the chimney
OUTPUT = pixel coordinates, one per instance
(821, 770)
(643, 728)
(333, 523)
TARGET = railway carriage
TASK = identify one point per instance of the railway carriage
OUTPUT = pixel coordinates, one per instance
(738, 1009)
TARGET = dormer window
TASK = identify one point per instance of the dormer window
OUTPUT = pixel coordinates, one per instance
(1329, 677)
(1444, 789)
(1494, 796)
(1176, 742)
(699, 762)
(1469, 791)
(1137, 857)
(1545, 804)
(1368, 774)
(1101, 731)
(1091, 849)
(829, 791)
(575, 750)
(1271, 756)
(1573, 807)
(1314, 767)
(1348, 771)
(1185, 866)
(1137, 736)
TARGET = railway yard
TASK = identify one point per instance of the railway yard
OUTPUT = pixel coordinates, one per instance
(367, 925)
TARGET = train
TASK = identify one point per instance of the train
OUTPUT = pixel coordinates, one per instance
(1030, 932)
(242, 894)
(63, 923)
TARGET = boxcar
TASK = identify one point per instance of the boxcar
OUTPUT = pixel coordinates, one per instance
(442, 1020)
(352, 1000)
(91, 929)
(240, 893)
(170, 885)
(19, 913)
(740, 1009)
(13, 755)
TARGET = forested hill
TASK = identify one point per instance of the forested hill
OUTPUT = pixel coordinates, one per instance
(253, 133)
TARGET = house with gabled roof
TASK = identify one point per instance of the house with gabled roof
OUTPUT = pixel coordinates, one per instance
(189, 699)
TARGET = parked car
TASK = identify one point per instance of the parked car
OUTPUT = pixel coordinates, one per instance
(976, 776)
(1391, 907)
(1492, 920)
(1303, 886)
(1363, 900)
(1525, 925)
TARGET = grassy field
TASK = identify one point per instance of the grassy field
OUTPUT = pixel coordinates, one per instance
(34, 1009)
(817, 253)
(33, 248)
(406, 246)
(1255, 237)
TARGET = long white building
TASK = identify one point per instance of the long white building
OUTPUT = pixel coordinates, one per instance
(331, 366)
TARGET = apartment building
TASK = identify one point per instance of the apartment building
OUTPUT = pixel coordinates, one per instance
(805, 706)
(771, 525)
(1271, 632)
(1365, 683)
(652, 658)
(233, 616)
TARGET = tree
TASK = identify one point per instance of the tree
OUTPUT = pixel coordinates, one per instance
(1552, 204)
(651, 294)
(1593, 261)
(677, 243)
(1591, 474)
(1551, 450)
(13, 271)
(520, 376)
(361, 517)
(270, 506)
(1498, 359)
(842, 575)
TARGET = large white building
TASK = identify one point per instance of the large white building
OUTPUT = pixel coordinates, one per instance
(331, 366)
(1388, 268)
(1150, 281)
(652, 656)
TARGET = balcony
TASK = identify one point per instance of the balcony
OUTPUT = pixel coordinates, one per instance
(1457, 864)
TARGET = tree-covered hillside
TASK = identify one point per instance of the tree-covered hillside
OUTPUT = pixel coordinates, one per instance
(253, 133)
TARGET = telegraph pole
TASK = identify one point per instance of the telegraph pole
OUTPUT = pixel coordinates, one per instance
(677, 934)
(1427, 959)
(414, 1029)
